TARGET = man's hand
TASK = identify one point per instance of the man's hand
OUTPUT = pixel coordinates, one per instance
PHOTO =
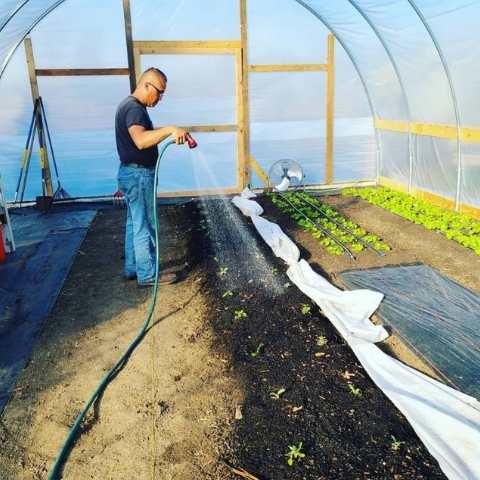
(179, 135)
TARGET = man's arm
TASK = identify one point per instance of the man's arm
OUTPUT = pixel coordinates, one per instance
(144, 138)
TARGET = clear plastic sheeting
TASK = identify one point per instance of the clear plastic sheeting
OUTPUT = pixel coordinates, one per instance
(439, 318)
(436, 165)
(394, 156)
(470, 186)
(404, 60)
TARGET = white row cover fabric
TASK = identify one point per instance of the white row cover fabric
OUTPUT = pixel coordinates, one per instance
(446, 420)
(349, 311)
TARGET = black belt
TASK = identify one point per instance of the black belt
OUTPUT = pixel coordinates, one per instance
(137, 165)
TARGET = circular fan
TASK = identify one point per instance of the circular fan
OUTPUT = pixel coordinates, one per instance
(285, 173)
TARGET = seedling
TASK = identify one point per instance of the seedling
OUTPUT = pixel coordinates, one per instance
(395, 445)
(355, 391)
(347, 375)
(306, 309)
(257, 351)
(274, 270)
(227, 294)
(276, 394)
(294, 453)
(321, 341)
(239, 314)
(223, 271)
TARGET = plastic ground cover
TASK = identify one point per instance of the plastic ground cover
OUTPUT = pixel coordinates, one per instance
(438, 317)
(30, 282)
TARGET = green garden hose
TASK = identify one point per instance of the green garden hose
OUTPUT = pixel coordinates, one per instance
(70, 440)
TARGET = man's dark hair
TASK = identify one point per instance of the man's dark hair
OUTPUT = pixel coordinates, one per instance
(156, 70)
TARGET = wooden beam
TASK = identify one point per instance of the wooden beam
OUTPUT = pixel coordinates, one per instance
(137, 62)
(129, 43)
(467, 134)
(73, 72)
(242, 95)
(47, 187)
(153, 47)
(293, 67)
(330, 109)
(31, 68)
(258, 170)
(200, 193)
(210, 128)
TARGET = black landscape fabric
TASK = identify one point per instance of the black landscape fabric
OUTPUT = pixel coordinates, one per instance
(436, 316)
(30, 281)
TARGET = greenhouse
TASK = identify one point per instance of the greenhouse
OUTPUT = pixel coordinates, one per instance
(239, 239)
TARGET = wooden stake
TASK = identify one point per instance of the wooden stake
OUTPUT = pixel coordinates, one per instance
(44, 163)
(330, 109)
(243, 112)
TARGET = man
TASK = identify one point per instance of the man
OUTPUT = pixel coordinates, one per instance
(137, 142)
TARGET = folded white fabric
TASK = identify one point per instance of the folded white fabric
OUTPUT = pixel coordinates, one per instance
(247, 193)
(349, 311)
(280, 243)
(247, 207)
(447, 421)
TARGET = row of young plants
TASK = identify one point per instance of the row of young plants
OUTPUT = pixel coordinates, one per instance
(314, 219)
(454, 225)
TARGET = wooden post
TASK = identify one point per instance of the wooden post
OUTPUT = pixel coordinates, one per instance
(243, 176)
(330, 109)
(44, 163)
(129, 41)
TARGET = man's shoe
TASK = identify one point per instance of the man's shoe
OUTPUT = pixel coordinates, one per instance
(164, 279)
(131, 276)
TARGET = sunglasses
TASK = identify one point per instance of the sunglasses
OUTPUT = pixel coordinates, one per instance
(160, 92)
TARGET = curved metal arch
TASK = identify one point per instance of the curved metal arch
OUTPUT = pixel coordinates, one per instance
(359, 73)
(452, 93)
(400, 81)
(13, 13)
(26, 32)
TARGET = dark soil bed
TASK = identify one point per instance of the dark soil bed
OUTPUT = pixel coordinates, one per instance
(345, 436)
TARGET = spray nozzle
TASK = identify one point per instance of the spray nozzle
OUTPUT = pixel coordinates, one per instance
(192, 143)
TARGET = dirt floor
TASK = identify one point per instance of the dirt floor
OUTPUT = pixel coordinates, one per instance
(160, 417)
(196, 397)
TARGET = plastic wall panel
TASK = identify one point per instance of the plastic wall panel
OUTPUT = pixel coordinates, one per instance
(15, 114)
(208, 100)
(435, 168)
(418, 62)
(355, 150)
(19, 24)
(283, 31)
(211, 165)
(394, 162)
(185, 20)
(287, 120)
(455, 24)
(89, 44)
(368, 53)
(471, 175)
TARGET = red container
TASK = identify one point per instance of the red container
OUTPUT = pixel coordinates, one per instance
(3, 255)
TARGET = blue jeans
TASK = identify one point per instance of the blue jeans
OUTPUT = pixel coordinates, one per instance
(137, 185)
